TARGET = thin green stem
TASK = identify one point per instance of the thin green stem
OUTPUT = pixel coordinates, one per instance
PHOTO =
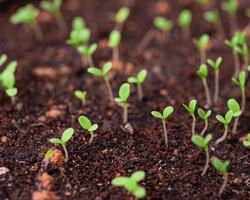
(165, 133)
(224, 136)
(216, 86)
(125, 112)
(92, 136)
(243, 100)
(66, 153)
(235, 126)
(139, 90)
(207, 93)
(110, 92)
(224, 184)
(205, 127)
(207, 163)
(236, 64)
(193, 123)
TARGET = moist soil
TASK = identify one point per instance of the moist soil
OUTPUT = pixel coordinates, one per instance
(50, 70)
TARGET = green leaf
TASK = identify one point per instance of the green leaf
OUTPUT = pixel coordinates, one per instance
(220, 166)
(167, 112)
(122, 15)
(84, 122)
(157, 114)
(202, 71)
(93, 128)
(80, 94)
(163, 24)
(120, 181)
(242, 79)
(140, 192)
(11, 92)
(203, 114)
(9, 79)
(55, 141)
(48, 154)
(233, 105)
(228, 117)
(191, 107)
(138, 176)
(141, 76)
(221, 119)
(78, 23)
(95, 71)
(67, 134)
(230, 6)
(3, 59)
(203, 42)
(92, 48)
(215, 65)
(198, 141)
(124, 92)
(246, 144)
(114, 39)
(185, 18)
(106, 68)
(212, 17)
(133, 79)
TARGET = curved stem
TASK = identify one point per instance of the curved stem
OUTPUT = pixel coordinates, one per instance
(115, 54)
(207, 163)
(216, 86)
(193, 124)
(235, 126)
(205, 128)
(90, 61)
(110, 92)
(125, 113)
(243, 100)
(145, 41)
(139, 90)
(92, 136)
(66, 153)
(224, 136)
(236, 64)
(208, 97)
(225, 176)
(165, 133)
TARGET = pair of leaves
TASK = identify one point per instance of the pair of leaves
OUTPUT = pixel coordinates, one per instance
(202, 42)
(51, 6)
(114, 39)
(246, 143)
(234, 106)
(122, 15)
(66, 136)
(191, 106)
(220, 166)
(165, 114)
(203, 114)
(202, 72)
(202, 142)
(227, 119)
(86, 124)
(230, 6)
(87, 50)
(81, 95)
(185, 18)
(212, 17)
(215, 64)
(241, 81)
(139, 78)
(124, 93)
(163, 24)
(101, 72)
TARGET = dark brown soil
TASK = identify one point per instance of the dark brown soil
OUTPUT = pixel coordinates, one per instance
(172, 80)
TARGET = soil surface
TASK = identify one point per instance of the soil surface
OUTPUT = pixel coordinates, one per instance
(50, 70)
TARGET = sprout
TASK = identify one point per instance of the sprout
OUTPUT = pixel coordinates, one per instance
(113, 43)
(233, 105)
(184, 21)
(221, 167)
(202, 44)
(246, 143)
(124, 93)
(48, 154)
(54, 7)
(28, 15)
(216, 67)
(81, 95)
(66, 136)
(103, 73)
(163, 25)
(214, 18)
(120, 17)
(138, 80)
(86, 124)
(3, 59)
(191, 109)
(204, 115)
(202, 72)
(88, 51)
(225, 121)
(202, 143)
(163, 116)
(131, 184)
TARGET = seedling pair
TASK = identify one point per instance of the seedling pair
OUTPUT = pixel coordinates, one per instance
(164, 25)
(202, 44)
(233, 105)
(231, 7)
(120, 17)
(204, 115)
(214, 18)
(114, 42)
(191, 110)
(184, 21)
(81, 95)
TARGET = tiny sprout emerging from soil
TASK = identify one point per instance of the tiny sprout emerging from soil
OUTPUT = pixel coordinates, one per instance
(214, 18)
(234, 106)
(48, 154)
(225, 121)
(81, 95)
(204, 115)
(66, 136)
(27, 15)
(184, 21)
(191, 109)
(103, 73)
(202, 44)
(131, 184)
(202, 143)
(120, 17)
(113, 43)
(164, 116)
(246, 143)
(88, 51)
(163, 25)
(86, 124)
(54, 8)
(124, 93)
(216, 67)
(138, 80)
(202, 72)
(221, 167)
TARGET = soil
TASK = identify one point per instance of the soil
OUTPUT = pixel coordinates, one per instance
(48, 73)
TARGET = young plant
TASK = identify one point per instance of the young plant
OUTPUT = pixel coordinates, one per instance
(184, 21)
(131, 184)
(66, 136)
(246, 143)
(214, 18)
(27, 15)
(81, 95)
(225, 121)
(204, 115)
(242, 49)
(216, 67)
(124, 93)
(138, 80)
(87, 52)
(202, 72)
(233, 105)
(54, 7)
(163, 25)
(164, 116)
(114, 42)
(202, 143)
(202, 44)
(86, 124)
(120, 17)
(221, 167)
(191, 109)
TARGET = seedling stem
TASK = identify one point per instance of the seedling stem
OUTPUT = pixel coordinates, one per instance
(207, 163)
(222, 188)
(208, 97)
(224, 136)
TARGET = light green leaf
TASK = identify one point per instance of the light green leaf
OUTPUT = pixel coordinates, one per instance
(138, 176)
(95, 71)
(84, 122)
(124, 92)
(157, 114)
(106, 68)
(163, 24)
(122, 15)
(140, 192)
(55, 141)
(93, 128)
(167, 112)
(11, 92)
(67, 134)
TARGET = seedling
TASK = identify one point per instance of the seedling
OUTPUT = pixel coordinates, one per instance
(184, 21)
(221, 167)
(233, 105)
(47, 157)
(231, 7)
(214, 18)
(87, 52)
(204, 115)
(164, 116)
(81, 95)
(27, 15)
(3, 59)
(86, 124)
(131, 184)
(138, 80)
(242, 49)
(114, 42)
(124, 93)
(191, 109)
(54, 7)
(202, 143)
(202, 72)
(225, 121)
(66, 136)
(103, 73)
(216, 67)
(202, 44)
(120, 17)
(163, 25)
(246, 143)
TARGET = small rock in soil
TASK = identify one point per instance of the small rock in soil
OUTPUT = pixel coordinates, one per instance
(44, 195)
(4, 139)
(46, 181)
(3, 170)
(45, 72)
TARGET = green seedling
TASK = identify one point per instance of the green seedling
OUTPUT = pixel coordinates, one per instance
(124, 93)
(103, 73)
(184, 21)
(214, 18)
(138, 80)
(81, 95)
(164, 116)
(231, 7)
(242, 49)
(204, 115)
(114, 42)
(221, 167)
(86, 124)
(246, 142)
(87, 52)
(202, 72)
(66, 136)
(131, 184)
(27, 15)
(216, 67)
(191, 110)
(234, 106)
(48, 155)
(225, 121)
(120, 17)
(163, 25)
(3, 59)
(202, 44)
(202, 143)
(54, 7)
